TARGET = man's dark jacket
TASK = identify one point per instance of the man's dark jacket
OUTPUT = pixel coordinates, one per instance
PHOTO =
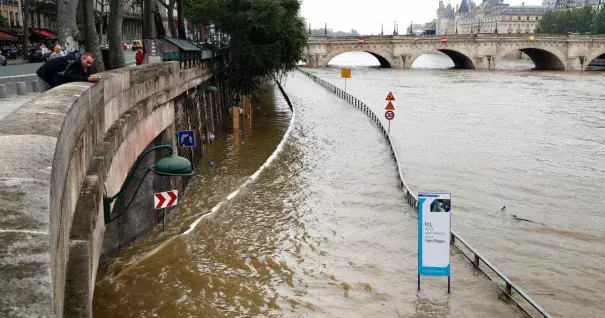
(50, 71)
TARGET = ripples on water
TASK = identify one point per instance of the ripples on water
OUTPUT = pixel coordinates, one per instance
(531, 141)
(323, 232)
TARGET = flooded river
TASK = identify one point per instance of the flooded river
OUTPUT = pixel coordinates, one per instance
(324, 230)
(533, 142)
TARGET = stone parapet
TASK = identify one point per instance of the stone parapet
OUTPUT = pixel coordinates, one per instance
(56, 148)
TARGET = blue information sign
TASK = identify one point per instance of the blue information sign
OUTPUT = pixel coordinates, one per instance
(186, 138)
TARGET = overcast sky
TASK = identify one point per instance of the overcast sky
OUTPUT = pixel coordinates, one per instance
(366, 16)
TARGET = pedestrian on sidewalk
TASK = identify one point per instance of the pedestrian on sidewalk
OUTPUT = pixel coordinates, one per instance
(66, 69)
(140, 57)
(57, 52)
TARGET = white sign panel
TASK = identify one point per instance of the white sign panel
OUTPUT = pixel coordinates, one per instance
(434, 218)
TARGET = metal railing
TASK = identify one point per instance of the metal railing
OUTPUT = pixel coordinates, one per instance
(508, 288)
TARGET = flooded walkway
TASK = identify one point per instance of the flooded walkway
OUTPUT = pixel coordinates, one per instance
(323, 232)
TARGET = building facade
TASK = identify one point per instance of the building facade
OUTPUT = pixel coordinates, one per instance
(491, 16)
(131, 28)
(551, 4)
(11, 11)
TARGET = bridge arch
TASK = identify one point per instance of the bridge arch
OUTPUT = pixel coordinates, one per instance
(383, 57)
(460, 58)
(593, 56)
(543, 57)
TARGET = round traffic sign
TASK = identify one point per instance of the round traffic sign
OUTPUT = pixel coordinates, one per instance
(389, 115)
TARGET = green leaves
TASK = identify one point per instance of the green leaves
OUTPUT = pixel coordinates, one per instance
(579, 20)
(267, 38)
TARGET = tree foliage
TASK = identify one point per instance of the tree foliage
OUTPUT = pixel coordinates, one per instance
(266, 38)
(578, 20)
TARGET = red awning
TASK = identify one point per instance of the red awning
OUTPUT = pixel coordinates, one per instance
(7, 37)
(44, 33)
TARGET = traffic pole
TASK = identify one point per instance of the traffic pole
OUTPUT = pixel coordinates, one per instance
(389, 129)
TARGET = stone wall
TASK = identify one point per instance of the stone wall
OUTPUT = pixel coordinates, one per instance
(60, 152)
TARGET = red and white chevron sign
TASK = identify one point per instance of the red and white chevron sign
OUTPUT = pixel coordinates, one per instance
(165, 199)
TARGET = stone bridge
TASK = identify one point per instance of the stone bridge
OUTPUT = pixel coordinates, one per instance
(572, 52)
(61, 153)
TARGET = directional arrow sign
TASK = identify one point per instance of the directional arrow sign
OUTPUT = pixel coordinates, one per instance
(165, 199)
(390, 106)
(390, 97)
(186, 138)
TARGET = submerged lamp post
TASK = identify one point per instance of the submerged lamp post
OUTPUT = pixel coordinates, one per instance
(209, 88)
(171, 165)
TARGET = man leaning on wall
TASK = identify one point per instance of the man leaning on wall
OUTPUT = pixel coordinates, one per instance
(66, 69)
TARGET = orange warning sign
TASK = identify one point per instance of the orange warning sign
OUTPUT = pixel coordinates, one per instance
(390, 97)
(390, 106)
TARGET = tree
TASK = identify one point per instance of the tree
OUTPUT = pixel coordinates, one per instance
(599, 25)
(114, 34)
(91, 38)
(266, 39)
(578, 20)
(2, 20)
(181, 18)
(25, 15)
(66, 16)
(171, 23)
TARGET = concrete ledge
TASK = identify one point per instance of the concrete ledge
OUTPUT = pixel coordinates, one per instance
(51, 145)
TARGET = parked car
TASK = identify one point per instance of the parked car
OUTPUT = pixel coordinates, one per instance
(3, 61)
(35, 55)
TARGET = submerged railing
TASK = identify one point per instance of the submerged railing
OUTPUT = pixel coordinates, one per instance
(511, 291)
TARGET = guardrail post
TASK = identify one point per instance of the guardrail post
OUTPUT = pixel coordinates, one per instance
(3, 93)
(35, 86)
(21, 88)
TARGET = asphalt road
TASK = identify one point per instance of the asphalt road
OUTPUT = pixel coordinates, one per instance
(12, 74)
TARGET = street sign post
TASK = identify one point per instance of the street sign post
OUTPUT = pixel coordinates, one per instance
(186, 138)
(345, 73)
(163, 200)
(434, 226)
(390, 110)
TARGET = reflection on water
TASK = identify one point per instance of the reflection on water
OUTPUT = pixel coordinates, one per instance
(531, 141)
(323, 232)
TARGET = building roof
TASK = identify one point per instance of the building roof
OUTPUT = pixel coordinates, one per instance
(182, 44)
(449, 12)
(523, 10)
(467, 6)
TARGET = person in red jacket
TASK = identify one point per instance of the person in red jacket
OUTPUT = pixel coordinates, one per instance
(140, 57)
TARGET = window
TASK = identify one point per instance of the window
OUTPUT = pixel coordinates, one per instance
(527, 18)
(536, 18)
(519, 18)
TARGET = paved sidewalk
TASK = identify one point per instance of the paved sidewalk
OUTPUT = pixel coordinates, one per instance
(17, 62)
(7, 105)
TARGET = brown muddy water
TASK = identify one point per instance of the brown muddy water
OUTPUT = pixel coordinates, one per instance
(324, 231)
(533, 142)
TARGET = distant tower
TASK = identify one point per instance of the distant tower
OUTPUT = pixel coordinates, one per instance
(440, 14)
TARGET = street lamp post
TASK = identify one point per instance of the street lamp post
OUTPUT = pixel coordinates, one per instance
(171, 165)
